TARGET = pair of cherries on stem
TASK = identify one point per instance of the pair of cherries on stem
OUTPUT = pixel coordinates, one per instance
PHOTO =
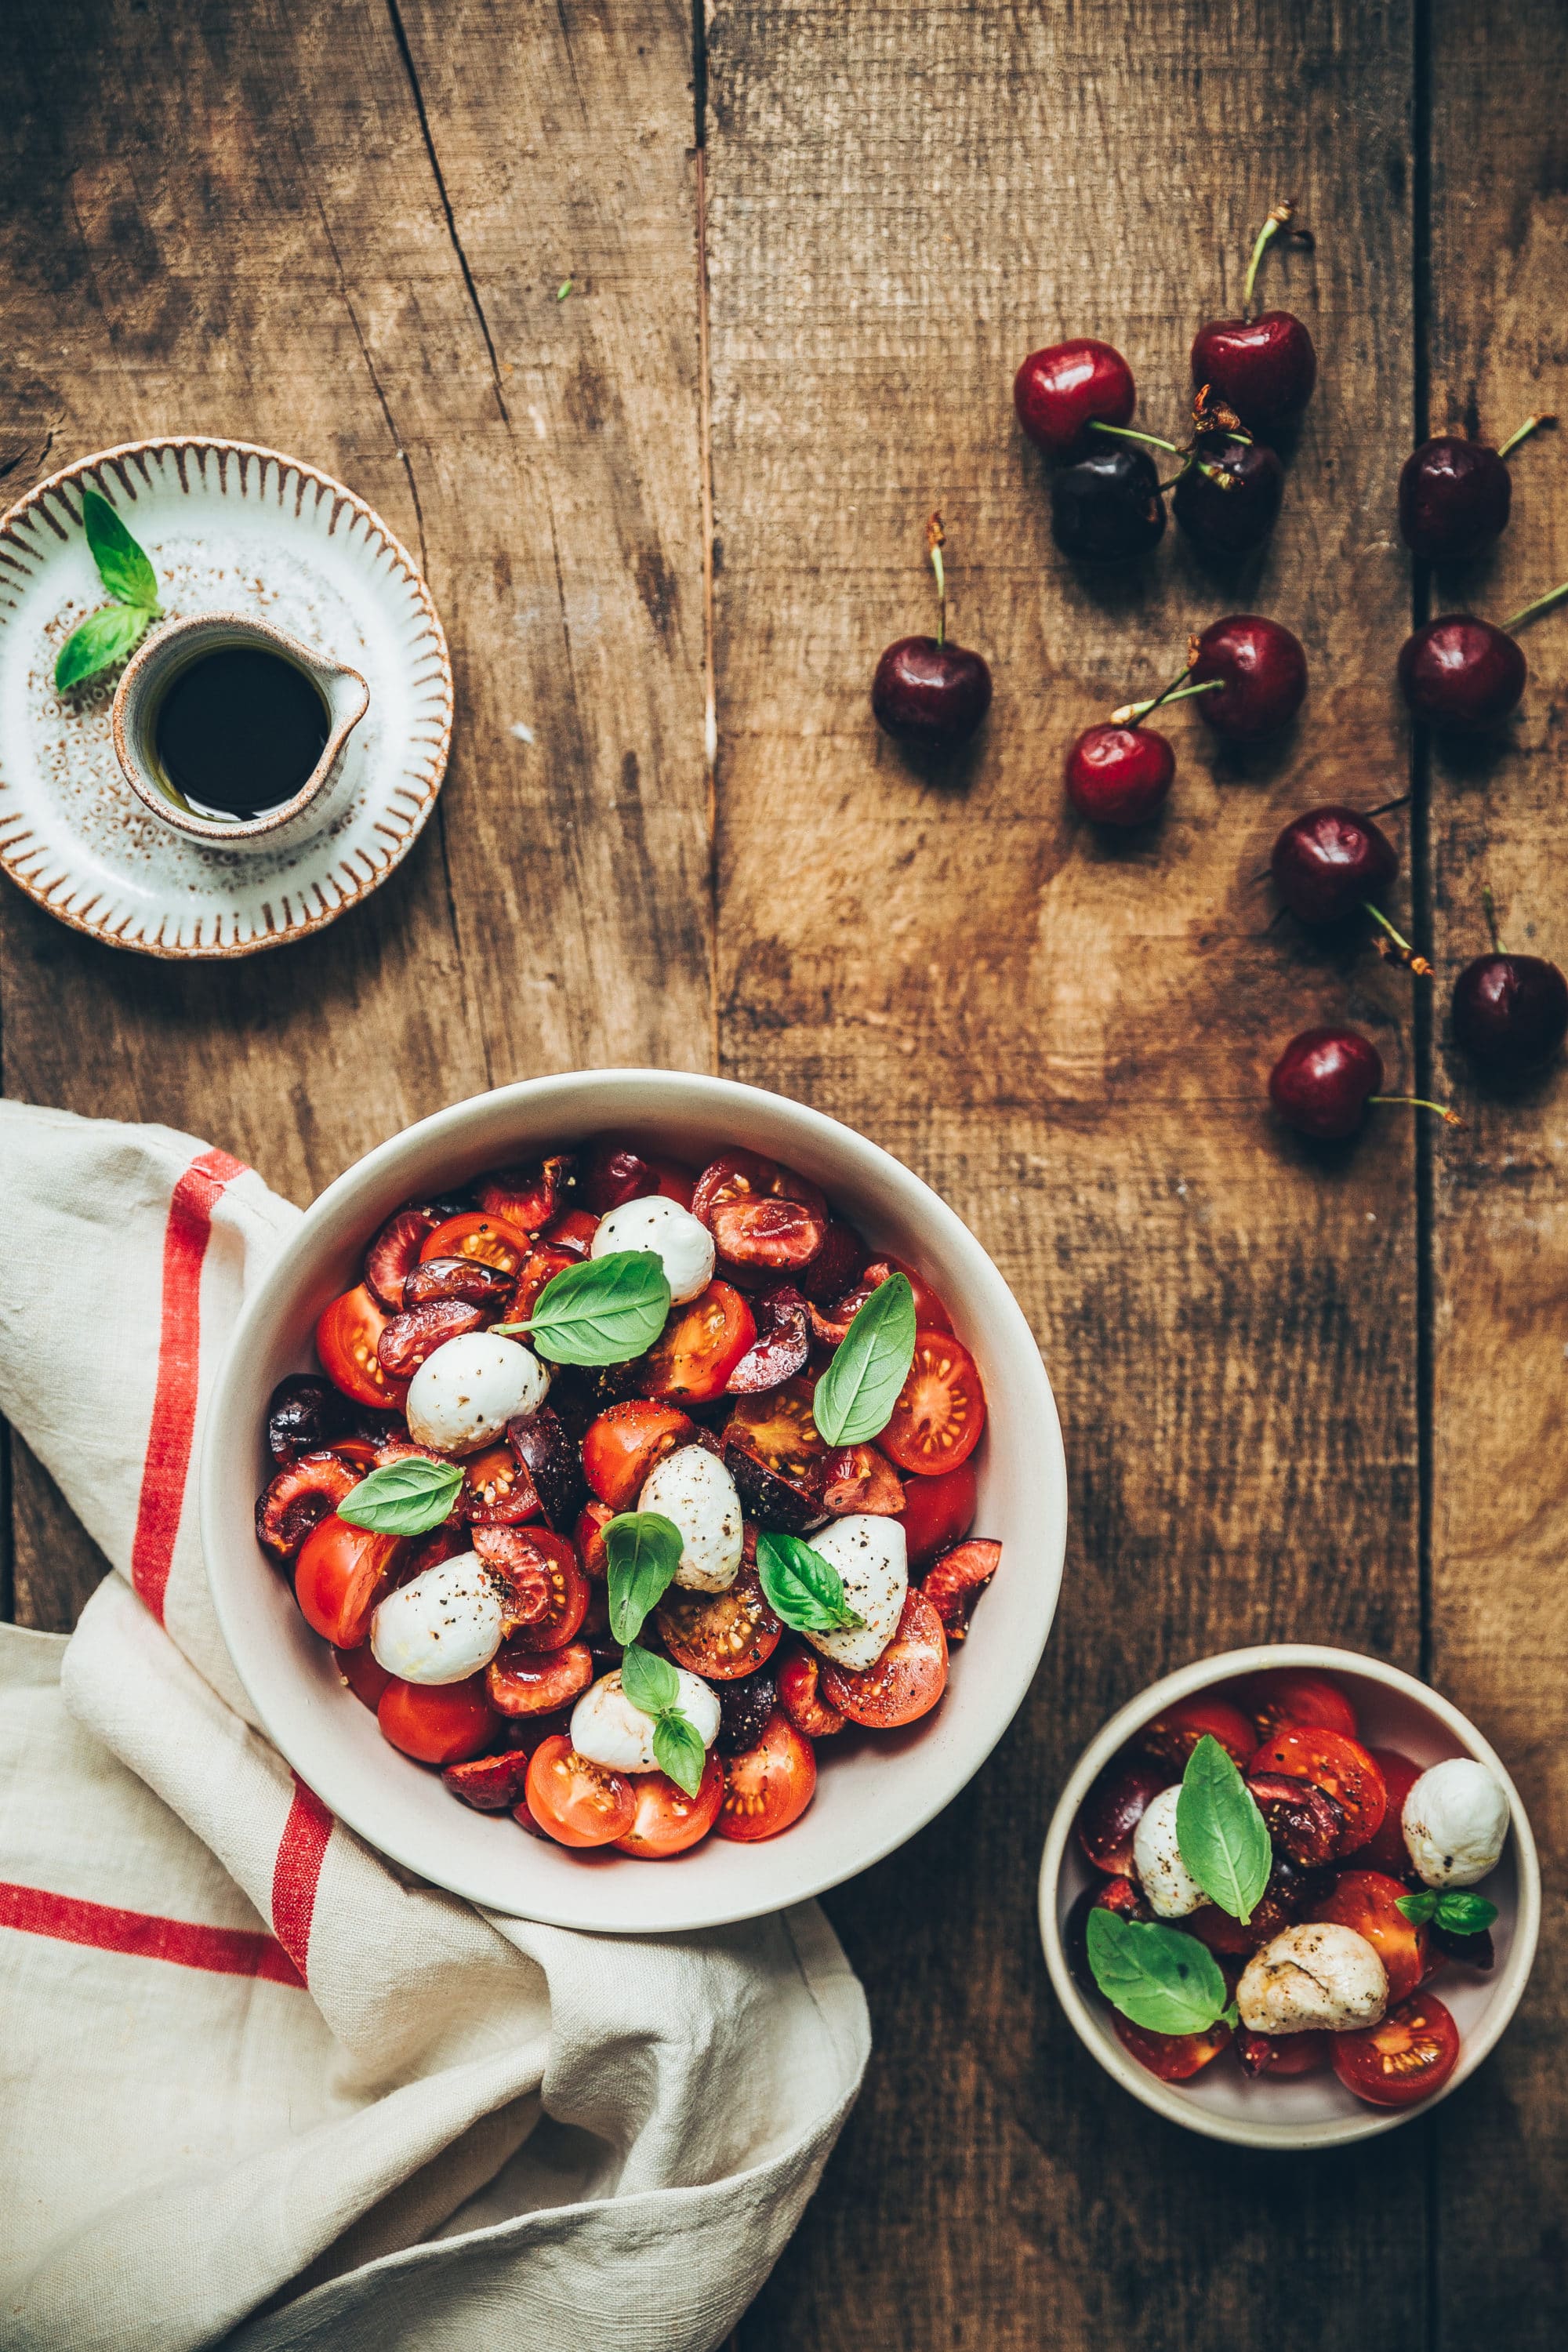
(1248, 678)
(927, 692)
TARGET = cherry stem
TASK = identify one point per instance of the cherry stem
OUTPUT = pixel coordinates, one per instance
(936, 538)
(1491, 905)
(1542, 605)
(1125, 433)
(1132, 712)
(1408, 955)
(1531, 425)
(1419, 1102)
(1279, 217)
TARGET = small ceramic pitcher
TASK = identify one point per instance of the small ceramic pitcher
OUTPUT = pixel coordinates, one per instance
(326, 791)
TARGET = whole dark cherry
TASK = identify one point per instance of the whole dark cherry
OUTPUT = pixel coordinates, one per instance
(1120, 775)
(1257, 674)
(1461, 673)
(1454, 495)
(1325, 1079)
(1107, 508)
(1264, 368)
(1510, 1011)
(1329, 863)
(1061, 391)
(926, 691)
(1229, 498)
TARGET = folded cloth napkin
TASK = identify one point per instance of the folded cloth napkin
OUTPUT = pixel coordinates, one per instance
(260, 2088)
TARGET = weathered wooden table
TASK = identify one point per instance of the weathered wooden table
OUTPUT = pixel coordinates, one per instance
(808, 246)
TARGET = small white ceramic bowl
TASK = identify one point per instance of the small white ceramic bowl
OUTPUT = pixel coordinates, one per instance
(867, 1801)
(1394, 1711)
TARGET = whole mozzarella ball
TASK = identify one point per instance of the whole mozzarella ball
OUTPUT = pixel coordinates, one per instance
(1454, 1823)
(872, 1560)
(1170, 1885)
(692, 1488)
(609, 1730)
(1319, 1977)
(443, 1626)
(464, 1395)
(681, 1241)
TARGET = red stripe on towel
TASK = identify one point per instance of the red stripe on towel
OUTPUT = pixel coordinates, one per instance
(168, 1457)
(298, 1871)
(225, 1951)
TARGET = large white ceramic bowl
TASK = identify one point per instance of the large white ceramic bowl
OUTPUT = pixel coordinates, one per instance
(1394, 1711)
(868, 1801)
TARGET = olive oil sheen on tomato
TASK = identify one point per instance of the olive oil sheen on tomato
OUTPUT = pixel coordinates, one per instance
(239, 732)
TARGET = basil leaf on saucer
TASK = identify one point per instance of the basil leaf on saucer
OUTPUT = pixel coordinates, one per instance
(642, 1552)
(1164, 1980)
(403, 1498)
(122, 566)
(100, 641)
(604, 1311)
(801, 1587)
(649, 1682)
(854, 1398)
(678, 1751)
(1223, 1837)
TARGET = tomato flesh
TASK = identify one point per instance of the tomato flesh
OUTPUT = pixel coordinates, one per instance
(940, 1409)
(589, 1535)
(667, 1822)
(525, 1197)
(720, 1635)
(577, 1803)
(1172, 1735)
(568, 1591)
(930, 1315)
(768, 1786)
(1339, 1766)
(520, 1681)
(1283, 2054)
(362, 1674)
(699, 1348)
(800, 1696)
(955, 1583)
(1411, 2054)
(1174, 2057)
(906, 1680)
(759, 1214)
(438, 1723)
(1369, 1902)
(1273, 1700)
(476, 1235)
(340, 1575)
(348, 1334)
(623, 1444)
(938, 1512)
(395, 1253)
(1387, 1850)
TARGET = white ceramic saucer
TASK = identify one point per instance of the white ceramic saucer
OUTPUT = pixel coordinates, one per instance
(234, 529)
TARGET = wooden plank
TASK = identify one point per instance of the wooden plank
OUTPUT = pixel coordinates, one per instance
(1072, 1039)
(340, 231)
(1500, 1522)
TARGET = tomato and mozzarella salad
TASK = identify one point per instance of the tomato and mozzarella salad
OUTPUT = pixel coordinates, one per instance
(1269, 1885)
(625, 1485)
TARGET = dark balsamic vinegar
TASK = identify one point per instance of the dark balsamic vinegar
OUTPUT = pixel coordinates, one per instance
(238, 731)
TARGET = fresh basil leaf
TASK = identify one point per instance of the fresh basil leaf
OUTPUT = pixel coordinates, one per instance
(1164, 1980)
(856, 1395)
(403, 1498)
(122, 566)
(678, 1751)
(801, 1587)
(649, 1682)
(103, 639)
(642, 1550)
(1231, 2016)
(1464, 1913)
(602, 1311)
(1223, 1837)
(1418, 1908)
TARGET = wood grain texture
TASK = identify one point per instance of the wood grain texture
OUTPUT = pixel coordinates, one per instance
(1072, 1040)
(340, 231)
(1499, 1523)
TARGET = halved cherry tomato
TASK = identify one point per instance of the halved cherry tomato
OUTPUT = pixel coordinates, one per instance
(568, 1591)
(438, 1723)
(491, 1784)
(1174, 2057)
(393, 1253)
(1387, 1851)
(906, 1680)
(930, 1315)
(938, 1512)
(782, 1345)
(341, 1576)
(1369, 1902)
(577, 1803)
(940, 1409)
(541, 1265)
(858, 1478)
(414, 1336)
(954, 1584)
(1339, 1766)
(623, 1444)
(476, 1235)
(1281, 2054)
(1171, 1737)
(347, 1335)
(588, 1535)
(362, 1674)
(573, 1233)
(497, 1491)
(699, 1347)
(467, 1278)
(298, 1497)
(1290, 1696)
(778, 1456)
(669, 1820)
(1109, 1817)
(719, 1634)
(768, 1786)
(527, 1196)
(760, 1214)
(1411, 2054)
(530, 1682)
(800, 1696)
